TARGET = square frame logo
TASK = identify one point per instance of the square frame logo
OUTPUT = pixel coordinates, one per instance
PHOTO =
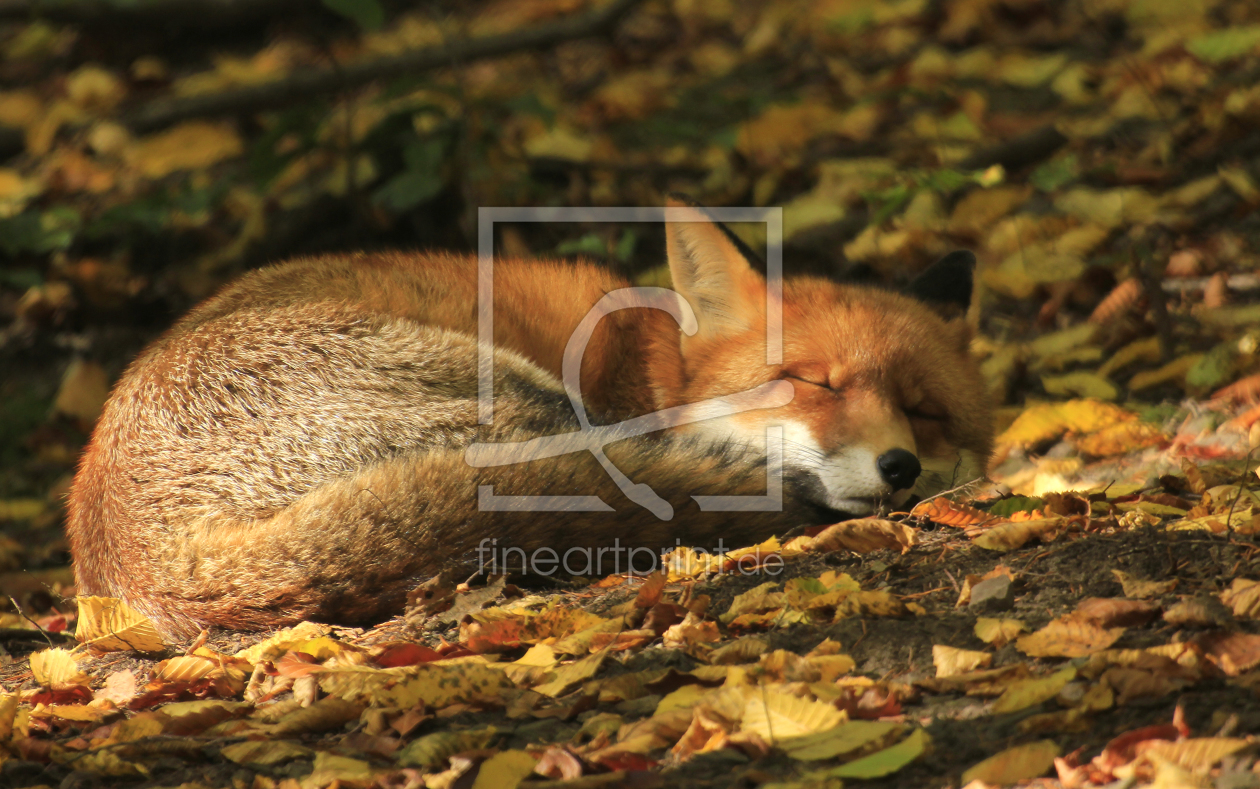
(593, 438)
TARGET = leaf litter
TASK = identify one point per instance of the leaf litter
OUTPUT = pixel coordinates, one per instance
(1088, 618)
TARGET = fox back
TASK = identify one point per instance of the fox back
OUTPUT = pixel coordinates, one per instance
(298, 446)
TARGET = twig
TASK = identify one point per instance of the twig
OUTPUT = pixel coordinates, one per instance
(86, 11)
(32, 621)
(1242, 478)
(1235, 282)
(307, 83)
(1159, 304)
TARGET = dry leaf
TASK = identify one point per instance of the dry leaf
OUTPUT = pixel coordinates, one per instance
(1016, 764)
(109, 625)
(1010, 536)
(775, 715)
(58, 669)
(998, 632)
(949, 513)
(863, 536)
(950, 661)
(1068, 636)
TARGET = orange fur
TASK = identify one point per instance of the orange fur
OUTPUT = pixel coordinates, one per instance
(294, 447)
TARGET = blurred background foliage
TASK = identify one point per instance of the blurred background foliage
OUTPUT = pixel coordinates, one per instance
(1100, 156)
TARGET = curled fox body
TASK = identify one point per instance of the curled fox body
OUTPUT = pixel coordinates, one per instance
(296, 447)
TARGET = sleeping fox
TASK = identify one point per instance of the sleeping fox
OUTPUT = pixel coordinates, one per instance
(307, 443)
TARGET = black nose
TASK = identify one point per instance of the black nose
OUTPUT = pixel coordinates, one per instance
(899, 468)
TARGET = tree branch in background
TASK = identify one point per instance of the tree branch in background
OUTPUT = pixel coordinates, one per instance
(79, 12)
(314, 82)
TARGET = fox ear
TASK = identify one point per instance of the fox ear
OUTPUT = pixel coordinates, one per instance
(712, 273)
(946, 285)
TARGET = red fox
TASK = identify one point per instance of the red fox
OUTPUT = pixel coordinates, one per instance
(298, 446)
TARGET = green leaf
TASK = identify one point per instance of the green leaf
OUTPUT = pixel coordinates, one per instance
(1221, 45)
(1216, 367)
(1008, 507)
(1055, 173)
(32, 231)
(625, 247)
(589, 244)
(420, 180)
(946, 181)
(21, 278)
(432, 750)
(884, 762)
(367, 14)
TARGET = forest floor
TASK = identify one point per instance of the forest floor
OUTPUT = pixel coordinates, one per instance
(1089, 617)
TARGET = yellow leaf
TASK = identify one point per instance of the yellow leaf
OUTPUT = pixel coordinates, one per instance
(755, 600)
(1243, 598)
(265, 752)
(775, 715)
(1137, 588)
(685, 697)
(111, 625)
(21, 509)
(782, 131)
(571, 674)
(330, 769)
(1024, 693)
(1068, 636)
(1010, 536)
(283, 641)
(8, 712)
(84, 389)
(58, 669)
(741, 650)
(843, 740)
(1121, 439)
(1082, 384)
(1048, 421)
(1174, 371)
(194, 145)
(1013, 765)
(504, 770)
(93, 88)
(950, 661)
(436, 684)
(884, 762)
(976, 212)
(998, 632)
(1109, 207)
(865, 535)
(1196, 754)
(432, 750)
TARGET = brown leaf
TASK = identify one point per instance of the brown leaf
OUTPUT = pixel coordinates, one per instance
(1117, 612)
(863, 536)
(1068, 636)
(949, 513)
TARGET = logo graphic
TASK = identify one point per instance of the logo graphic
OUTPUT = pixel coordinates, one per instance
(593, 438)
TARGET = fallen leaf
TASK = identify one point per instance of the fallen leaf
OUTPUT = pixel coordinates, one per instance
(864, 535)
(109, 625)
(1013, 765)
(1068, 636)
(775, 715)
(950, 661)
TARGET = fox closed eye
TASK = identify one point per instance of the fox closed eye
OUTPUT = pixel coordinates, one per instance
(813, 379)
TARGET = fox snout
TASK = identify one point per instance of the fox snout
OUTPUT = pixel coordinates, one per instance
(899, 468)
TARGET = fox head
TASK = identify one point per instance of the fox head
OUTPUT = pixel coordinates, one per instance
(886, 399)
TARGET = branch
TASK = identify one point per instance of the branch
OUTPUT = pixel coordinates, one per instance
(313, 82)
(79, 12)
